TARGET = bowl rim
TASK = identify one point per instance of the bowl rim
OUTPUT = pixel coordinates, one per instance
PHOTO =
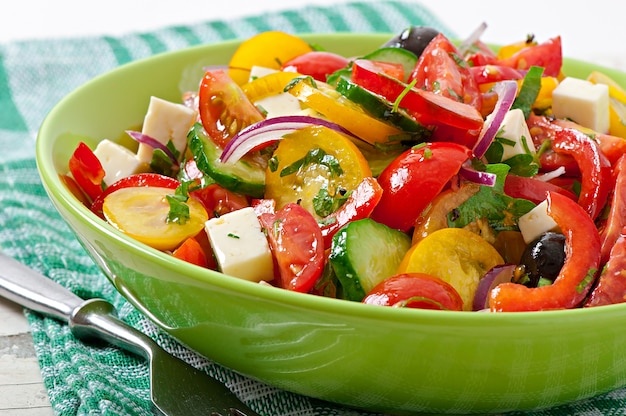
(59, 194)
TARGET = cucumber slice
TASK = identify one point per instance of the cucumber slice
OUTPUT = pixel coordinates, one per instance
(406, 58)
(382, 109)
(364, 253)
(242, 176)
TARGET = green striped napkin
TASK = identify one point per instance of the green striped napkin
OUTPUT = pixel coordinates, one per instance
(34, 75)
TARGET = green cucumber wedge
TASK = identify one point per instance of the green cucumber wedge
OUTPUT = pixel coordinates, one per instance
(242, 176)
(364, 253)
(401, 56)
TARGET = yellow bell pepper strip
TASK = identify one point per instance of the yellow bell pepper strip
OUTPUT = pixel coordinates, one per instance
(617, 103)
(322, 98)
(578, 274)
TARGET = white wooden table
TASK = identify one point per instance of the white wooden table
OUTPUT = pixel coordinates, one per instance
(591, 31)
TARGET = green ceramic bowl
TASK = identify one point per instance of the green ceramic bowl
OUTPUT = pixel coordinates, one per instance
(381, 359)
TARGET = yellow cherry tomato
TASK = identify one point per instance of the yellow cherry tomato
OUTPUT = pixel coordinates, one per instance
(313, 165)
(267, 49)
(268, 85)
(322, 98)
(509, 50)
(141, 213)
(455, 255)
(617, 103)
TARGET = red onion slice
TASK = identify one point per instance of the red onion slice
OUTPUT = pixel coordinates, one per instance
(473, 175)
(506, 91)
(472, 38)
(498, 274)
(268, 131)
(153, 143)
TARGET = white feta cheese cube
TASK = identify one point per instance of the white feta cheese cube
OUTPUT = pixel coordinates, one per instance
(583, 102)
(240, 246)
(516, 134)
(536, 222)
(165, 121)
(282, 104)
(117, 161)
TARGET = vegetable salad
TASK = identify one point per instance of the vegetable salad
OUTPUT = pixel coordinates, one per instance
(425, 174)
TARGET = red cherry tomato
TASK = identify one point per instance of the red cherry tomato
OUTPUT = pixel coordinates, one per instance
(442, 70)
(318, 64)
(297, 244)
(487, 74)
(140, 179)
(218, 200)
(415, 290)
(223, 107)
(87, 170)
(611, 287)
(616, 219)
(412, 180)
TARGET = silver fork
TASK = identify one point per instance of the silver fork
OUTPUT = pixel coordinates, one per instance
(176, 387)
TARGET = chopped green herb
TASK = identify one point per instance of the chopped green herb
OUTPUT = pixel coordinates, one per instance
(325, 204)
(529, 91)
(314, 156)
(396, 104)
(591, 274)
(231, 235)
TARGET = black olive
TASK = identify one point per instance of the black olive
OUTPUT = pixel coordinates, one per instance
(543, 258)
(414, 39)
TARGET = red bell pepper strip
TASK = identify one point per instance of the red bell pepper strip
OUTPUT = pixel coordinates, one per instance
(616, 220)
(577, 276)
(611, 286)
(87, 170)
(360, 204)
(595, 168)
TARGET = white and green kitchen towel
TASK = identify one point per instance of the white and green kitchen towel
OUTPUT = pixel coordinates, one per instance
(93, 379)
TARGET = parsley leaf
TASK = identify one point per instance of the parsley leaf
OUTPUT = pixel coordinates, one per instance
(179, 210)
(314, 156)
(529, 91)
(325, 204)
(501, 211)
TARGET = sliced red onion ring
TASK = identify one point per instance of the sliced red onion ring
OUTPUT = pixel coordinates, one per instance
(473, 175)
(498, 274)
(269, 130)
(153, 143)
(506, 91)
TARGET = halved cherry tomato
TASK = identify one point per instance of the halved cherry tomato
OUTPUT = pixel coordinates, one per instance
(87, 170)
(268, 49)
(223, 107)
(442, 70)
(412, 180)
(271, 84)
(415, 290)
(141, 213)
(218, 200)
(298, 247)
(191, 251)
(577, 275)
(139, 179)
(318, 64)
(339, 167)
(360, 204)
(488, 74)
(455, 255)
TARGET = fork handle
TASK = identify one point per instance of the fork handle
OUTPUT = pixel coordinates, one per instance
(93, 318)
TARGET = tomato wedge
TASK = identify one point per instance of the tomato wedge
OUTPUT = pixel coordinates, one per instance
(297, 244)
(317, 64)
(412, 180)
(415, 290)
